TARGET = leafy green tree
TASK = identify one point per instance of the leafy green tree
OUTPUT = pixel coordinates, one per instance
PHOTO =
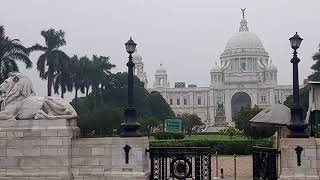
(159, 107)
(231, 131)
(63, 77)
(191, 122)
(315, 76)
(11, 50)
(114, 103)
(85, 65)
(148, 124)
(77, 76)
(52, 56)
(304, 100)
(101, 67)
(242, 123)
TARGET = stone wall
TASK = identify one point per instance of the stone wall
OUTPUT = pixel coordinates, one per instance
(105, 157)
(310, 159)
(50, 150)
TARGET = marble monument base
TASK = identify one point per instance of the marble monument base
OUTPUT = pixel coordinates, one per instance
(220, 121)
(51, 150)
(310, 159)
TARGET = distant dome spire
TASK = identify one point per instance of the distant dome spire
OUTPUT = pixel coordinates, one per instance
(243, 23)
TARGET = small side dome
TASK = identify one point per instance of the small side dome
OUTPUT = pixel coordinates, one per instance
(136, 57)
(161, 70)
(271, 67)
(216, 68)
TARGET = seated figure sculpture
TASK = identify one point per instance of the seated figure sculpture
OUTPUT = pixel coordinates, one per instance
(18, 101)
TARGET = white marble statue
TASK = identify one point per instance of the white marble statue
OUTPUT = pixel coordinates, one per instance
(18, 101)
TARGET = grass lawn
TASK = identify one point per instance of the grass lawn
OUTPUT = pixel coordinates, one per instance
(212, 137)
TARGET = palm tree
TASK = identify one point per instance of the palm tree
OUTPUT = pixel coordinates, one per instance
(77, 75)
(11, 50)
(63, 77)
(100, 72)
(85, 65)
(52, 56)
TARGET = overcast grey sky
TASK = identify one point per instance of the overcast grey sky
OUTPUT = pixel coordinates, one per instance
(187, 36)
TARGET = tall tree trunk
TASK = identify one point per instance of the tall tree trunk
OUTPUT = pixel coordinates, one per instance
(62, 93)
(101, 91)
(76, 93)
(50, 79)
(87, 90)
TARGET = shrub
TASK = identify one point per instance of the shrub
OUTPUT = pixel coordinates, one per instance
(168, 135)
(224, 147)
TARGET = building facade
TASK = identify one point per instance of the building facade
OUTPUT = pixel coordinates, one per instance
(244, 76)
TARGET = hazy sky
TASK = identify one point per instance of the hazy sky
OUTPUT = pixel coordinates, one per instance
(187, 36)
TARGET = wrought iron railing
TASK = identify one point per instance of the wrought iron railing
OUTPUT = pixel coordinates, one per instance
(265, 163)
(180, 163)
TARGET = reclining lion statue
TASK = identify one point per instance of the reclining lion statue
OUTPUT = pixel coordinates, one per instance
(18, 101)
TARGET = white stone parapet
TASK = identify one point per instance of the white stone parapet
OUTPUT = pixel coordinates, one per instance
(51, 149)
(310, 159)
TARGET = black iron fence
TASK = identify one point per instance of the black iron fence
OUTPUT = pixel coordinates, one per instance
(180, 163)
(265, 163)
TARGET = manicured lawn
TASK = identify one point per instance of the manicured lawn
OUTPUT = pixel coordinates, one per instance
(213, 137)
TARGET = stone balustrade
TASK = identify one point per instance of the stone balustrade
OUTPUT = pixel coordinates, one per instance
(51, 150)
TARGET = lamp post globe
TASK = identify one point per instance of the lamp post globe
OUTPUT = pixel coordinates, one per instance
(130, 46)
(130, 126)
(295, 41)
(297, 125)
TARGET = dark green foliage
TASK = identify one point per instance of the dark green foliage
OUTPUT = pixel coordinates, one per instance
(191, 122)
(106, 111)
(242, 123)
(224, 147)
(168, 135)
(315, 76)
(11, 50)
(304, 100)
(52, 57)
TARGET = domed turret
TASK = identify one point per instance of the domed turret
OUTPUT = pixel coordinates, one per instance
(161, 78)
(271, 66)
(136, 57)
(216, 74)
(138, 67)
(216, 68)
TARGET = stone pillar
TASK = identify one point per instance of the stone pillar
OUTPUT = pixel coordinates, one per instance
(40, 149)
(228, 106)
(309, 156)
(137, 166)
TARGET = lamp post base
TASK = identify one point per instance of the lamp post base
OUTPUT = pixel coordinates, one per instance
(297, 125)
(297, 131)
(130, 128)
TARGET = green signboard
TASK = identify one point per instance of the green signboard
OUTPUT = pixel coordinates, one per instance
(173, 125)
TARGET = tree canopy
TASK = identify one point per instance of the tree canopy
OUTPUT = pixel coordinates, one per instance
(191, 122)
(106, 111)
(242, 123)
(11, 51)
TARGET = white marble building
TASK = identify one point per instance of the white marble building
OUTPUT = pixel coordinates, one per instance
(245, 76)
(138, 68)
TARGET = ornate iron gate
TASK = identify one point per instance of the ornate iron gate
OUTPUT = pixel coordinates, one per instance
(264, 163)
(180, 163)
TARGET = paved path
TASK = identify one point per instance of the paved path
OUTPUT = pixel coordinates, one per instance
(232, 178)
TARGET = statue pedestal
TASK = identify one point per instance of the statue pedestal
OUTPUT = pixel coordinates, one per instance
(220, 121)
(36, 148)
(50, 149)
(310, 159)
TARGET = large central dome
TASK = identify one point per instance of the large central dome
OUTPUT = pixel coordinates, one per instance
(244, 43)
(244, 40)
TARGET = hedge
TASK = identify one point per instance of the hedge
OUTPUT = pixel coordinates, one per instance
(223, 147)
(168, 135)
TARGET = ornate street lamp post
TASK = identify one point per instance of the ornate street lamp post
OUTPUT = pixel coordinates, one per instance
(130, 127)
(297, 125)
